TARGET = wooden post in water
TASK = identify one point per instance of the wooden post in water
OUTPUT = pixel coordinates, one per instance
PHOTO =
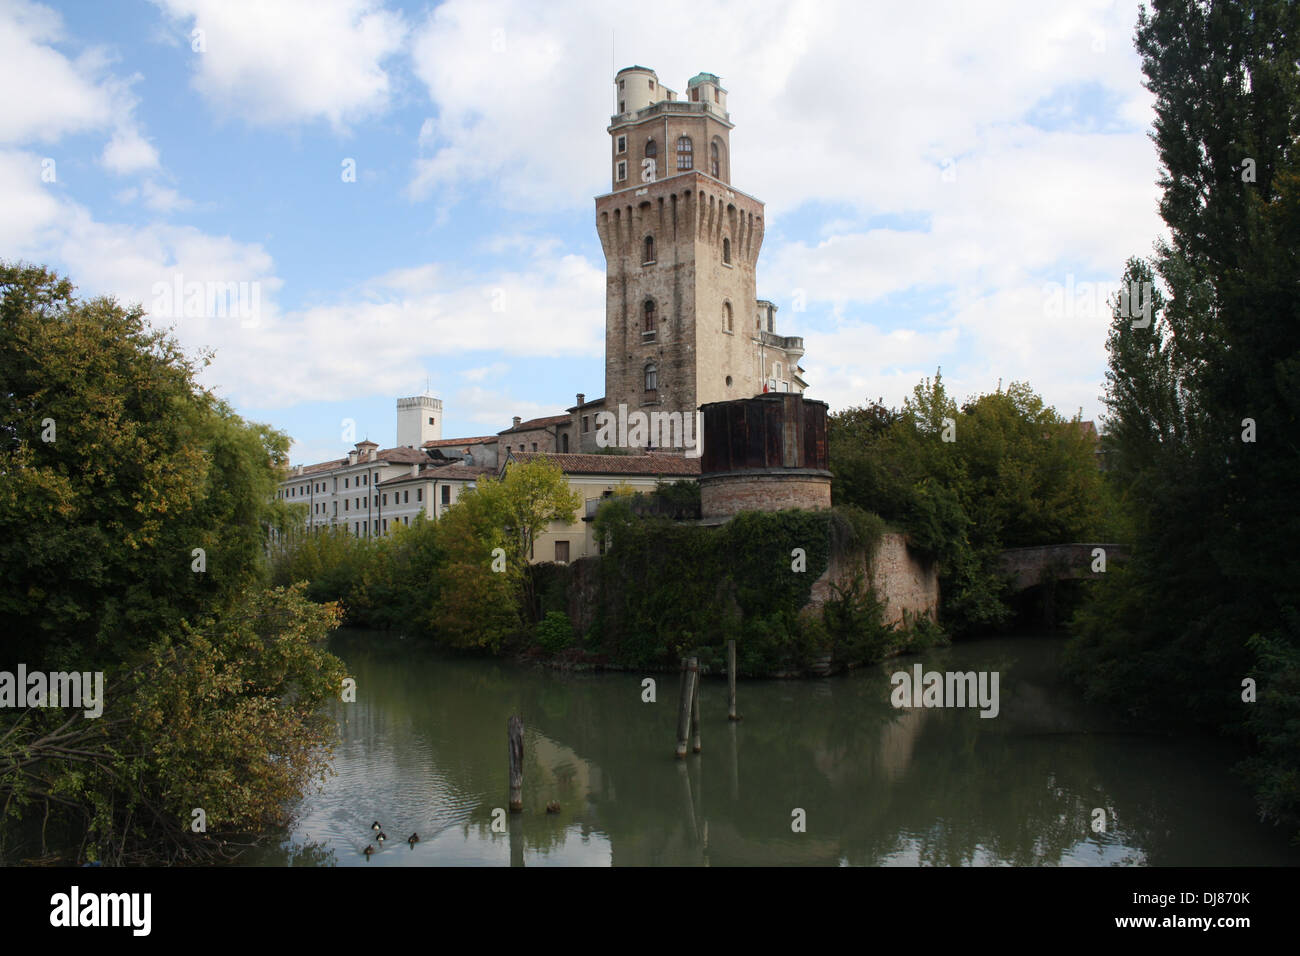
(731, 681)
(684, 709)
(694, 668)
(515, 733)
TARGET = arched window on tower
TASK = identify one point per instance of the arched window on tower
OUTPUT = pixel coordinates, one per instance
(651, 380)
(564, 442)
(715, 162)
(726, 251)
(727, 317)
(685, 153)
(649, 249)
(651, 149)
(648, 327)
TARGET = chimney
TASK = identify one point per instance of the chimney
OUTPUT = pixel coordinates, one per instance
(582, 399)
(352, 457)
(374, 453)
(516, 424)
(415, 468)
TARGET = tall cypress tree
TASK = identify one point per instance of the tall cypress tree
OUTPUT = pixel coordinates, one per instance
(1203, 403)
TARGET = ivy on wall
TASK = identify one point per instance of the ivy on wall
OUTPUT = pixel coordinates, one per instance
(669, 589)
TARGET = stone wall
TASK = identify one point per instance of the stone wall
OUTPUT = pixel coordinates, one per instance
(899, 577)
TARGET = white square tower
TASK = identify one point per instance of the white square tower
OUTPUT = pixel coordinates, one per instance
(419, 419)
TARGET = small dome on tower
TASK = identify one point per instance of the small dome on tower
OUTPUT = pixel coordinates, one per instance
(707, 88)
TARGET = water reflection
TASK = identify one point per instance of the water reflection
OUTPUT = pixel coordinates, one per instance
(424, 749)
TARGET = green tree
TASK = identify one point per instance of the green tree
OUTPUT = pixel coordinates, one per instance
(532, 496)
(480, 586)
(115, 467)
(1212, 592)
(1003, 470)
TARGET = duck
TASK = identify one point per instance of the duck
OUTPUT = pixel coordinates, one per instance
(382, 837)
(413, 839)
(553, 807)
(368, 850)
(376, 826)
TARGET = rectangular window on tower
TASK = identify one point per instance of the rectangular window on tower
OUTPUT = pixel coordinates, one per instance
(621, 171)
(621, 144)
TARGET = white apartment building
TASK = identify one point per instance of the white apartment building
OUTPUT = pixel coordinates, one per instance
(374, 490)
(345, 492)
(425, 489)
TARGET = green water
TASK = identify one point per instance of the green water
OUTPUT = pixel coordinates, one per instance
(424, 749)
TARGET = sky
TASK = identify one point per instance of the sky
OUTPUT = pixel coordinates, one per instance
(399, 196)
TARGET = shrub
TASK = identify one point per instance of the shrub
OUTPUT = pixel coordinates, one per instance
(554, 632)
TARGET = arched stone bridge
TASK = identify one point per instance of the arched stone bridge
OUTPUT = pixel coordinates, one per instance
(1039, 564)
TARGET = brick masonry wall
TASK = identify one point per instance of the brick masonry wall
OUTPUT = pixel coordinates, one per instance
(901, 579)
(724, 495)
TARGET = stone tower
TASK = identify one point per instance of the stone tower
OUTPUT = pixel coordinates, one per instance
(683, 325)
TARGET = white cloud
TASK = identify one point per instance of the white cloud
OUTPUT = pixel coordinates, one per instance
(50, 95)
(129, 152)
(841, 102)
(59, 95)
(551, 307)
(493, 371)
(292, 61)
(495, 407)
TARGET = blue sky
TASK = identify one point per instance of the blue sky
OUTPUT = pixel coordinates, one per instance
(930, 174)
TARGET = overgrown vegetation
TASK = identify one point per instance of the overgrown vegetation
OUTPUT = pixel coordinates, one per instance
(465, 580)
(667, 589)
(1002, 471)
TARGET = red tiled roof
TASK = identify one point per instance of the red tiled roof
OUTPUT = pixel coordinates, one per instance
(405, 456)
(315, 469)
(572, 464)
(452, 442)
(443, 473)
(537, 423)
(393, 456)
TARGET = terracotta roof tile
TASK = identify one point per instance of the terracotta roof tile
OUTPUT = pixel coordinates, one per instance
(452, 442)
(393, 456)
(443, 473)
(533, 423)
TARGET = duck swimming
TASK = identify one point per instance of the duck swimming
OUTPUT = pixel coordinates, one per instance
(375, 826)
(413, 839)
(368, 850)
(382, 837)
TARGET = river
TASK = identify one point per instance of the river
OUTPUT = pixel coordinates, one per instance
(423, 749)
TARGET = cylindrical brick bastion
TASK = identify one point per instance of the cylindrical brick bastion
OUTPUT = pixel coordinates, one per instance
(766, 453)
